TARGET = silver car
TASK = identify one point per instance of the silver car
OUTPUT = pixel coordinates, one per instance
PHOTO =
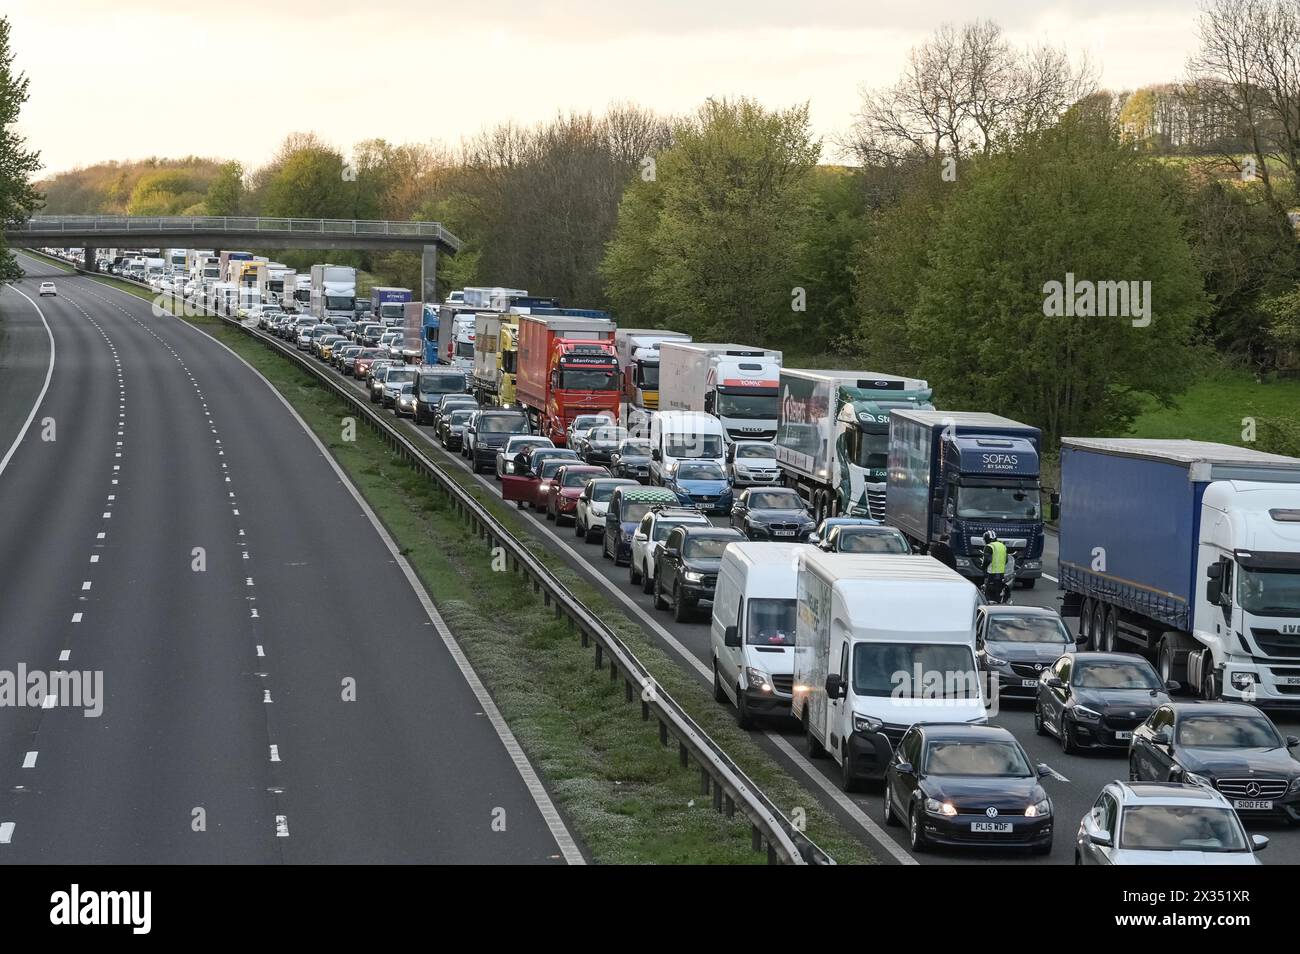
(1164, 823)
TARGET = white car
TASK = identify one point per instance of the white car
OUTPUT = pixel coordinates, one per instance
(1164, 823)
(47, 288)
(513, 445)
(650, 536)
(589, 519)
(751, 463)
(584, 423)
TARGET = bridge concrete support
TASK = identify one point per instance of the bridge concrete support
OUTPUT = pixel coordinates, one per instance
(90, 263)
(429, 274)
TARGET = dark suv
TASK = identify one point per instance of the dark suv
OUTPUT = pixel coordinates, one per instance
(489, 432)
(686, 567)
(430, 386)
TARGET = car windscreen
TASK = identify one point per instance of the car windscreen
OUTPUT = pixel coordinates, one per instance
(664, 527)
(460, 417)
(607, 434)
(776, 500)
(1217, 731)
(976, 757)
(400, 376)
(602, 492)
(502, 424)
(1028, 629)
(705, 548)
(770, 622)
(755, 452)
(692, 445)
(634, 449)
(1113, 674)
(871, 540)
(1180, 828)
(577, 478)
(690, 471)
(549, 467)
(946, 671)
(441, 383)
(634, 511)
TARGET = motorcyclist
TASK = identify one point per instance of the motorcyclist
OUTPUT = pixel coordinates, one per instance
(993, 561)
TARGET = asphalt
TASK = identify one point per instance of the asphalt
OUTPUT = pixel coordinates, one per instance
(1075, 787)
(281, 694)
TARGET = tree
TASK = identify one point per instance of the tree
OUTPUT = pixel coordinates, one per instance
(710, 242)
(966, 293)
(226, 191)
(17, 197)
(310, 184)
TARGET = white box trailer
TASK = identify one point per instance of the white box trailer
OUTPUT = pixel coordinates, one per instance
(882, 642)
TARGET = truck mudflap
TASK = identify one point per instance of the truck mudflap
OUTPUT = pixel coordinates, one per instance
(1165, 607)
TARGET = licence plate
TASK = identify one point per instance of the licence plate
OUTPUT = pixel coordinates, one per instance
(703, 506)
(995, 827)
(785, 533)
(1028, 683)
(1253, 804)
(1123, 736)
(1289, 680)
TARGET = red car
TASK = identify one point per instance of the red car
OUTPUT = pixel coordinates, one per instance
(546, 472)
(565, 489)
(364, 360)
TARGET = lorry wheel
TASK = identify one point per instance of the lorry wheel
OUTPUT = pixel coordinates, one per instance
(1085, 622)
(1098, 626)
(1165, 660)
(1110, 631)
(1209, 685)
(815, 749)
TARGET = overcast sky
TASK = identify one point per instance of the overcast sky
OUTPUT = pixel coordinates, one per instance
(125, 79)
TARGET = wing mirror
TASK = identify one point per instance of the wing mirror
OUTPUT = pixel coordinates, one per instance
(1054, 682)
(1044, 770)
(731, 636)
(1258, 842)
(835, 687)
(904, 768)
(1162, 737)
(813, 538)
(655, 455)
(1292, 741)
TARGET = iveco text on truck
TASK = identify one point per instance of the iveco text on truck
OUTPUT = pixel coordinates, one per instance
(955, 475)
(832, 439)
(735, 383)
(1190, 552)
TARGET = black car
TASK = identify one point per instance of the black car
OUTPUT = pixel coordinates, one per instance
(686, 567)
(488, 432)
(864, 539)
(451, 427)
(452, 402)
(1015, 644)
(431, 386)
(1096, 700)
(957, 784)
(772, 513)
(632, 459)
(1228, 746)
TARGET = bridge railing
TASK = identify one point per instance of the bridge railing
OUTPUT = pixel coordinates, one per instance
(114, 224)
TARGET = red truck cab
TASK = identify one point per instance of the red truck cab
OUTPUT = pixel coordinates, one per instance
(567, 366)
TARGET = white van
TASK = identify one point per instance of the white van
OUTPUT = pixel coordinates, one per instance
(753, 631)
(883, 641)
(676, 436)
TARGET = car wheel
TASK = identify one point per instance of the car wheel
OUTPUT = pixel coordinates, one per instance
(915, 836)
(719, 694)
(682, 610)
(887, 806)
(604, 546)
(578, 530)
(848, 778)
(660, 602)
(648, 581)
(1039, 728)
(1068, 745)
(634, 575)
(744, 718)
(815, 749)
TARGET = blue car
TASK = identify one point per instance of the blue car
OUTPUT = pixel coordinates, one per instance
(628, 506)
(701, 484)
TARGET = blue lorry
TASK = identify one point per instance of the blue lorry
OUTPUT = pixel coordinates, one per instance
(1188, 552)
(954, 475)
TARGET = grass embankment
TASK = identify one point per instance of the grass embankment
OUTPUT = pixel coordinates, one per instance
(625, 796)
(1216, 407)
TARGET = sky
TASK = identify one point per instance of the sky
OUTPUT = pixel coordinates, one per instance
(127, 79)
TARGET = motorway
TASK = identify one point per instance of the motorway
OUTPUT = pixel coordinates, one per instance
(1078, 778)
(273, 684)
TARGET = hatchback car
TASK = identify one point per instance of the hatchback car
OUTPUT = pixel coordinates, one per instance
(701, 484)
(1096, 700)
(47, 288)
(568, 485)
(864, 539)
(1231, 747)
(517, 444)
(967, 785)
(600, 444)
(1163, 823)
(632, 459)
(650, 536)
(451, 427)
(589, 517)
(751, 463)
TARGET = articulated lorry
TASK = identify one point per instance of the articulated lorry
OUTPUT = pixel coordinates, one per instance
(832, 436)
(277, 283)
(496, 357)
(954, 476)
(737, 384)
(567, 366)
(638, 357)
(333, 291)
(1190, 553)
(388, 305)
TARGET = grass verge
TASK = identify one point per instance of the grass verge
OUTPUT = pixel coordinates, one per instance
(1216, 406)
(625, 796)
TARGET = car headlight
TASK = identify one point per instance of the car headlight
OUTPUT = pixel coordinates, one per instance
(995, 663)
(1195, 779)
(1295, 786)
(1039, 809)
(758, 679)
(936, 807)
(1083, 712)
(867, 724)
(693, 577)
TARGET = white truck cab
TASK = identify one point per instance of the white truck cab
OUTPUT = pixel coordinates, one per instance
(752, 635)
(884, 641)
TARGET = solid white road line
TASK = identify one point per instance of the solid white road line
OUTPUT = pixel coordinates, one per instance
(49, 373)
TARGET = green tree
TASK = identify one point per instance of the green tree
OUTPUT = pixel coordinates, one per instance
(1071, 199)
(710, 243)
(227, 190)
(17, 197)
(311, 183)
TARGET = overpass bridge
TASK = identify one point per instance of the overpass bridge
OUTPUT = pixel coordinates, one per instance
(92, 232)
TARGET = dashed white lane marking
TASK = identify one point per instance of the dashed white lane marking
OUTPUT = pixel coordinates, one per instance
(63, 656)
(1055, 774)
(107, 515)
(6, 832)
(260, 650)
(76, 617)
(100, 535)
(266, 695)
(1048, 576)
(85, 585)
(94, 558)
(29, 760)
(49, 373)
(253, 614)
(281, 826)
(49, 701)
(275, 753)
